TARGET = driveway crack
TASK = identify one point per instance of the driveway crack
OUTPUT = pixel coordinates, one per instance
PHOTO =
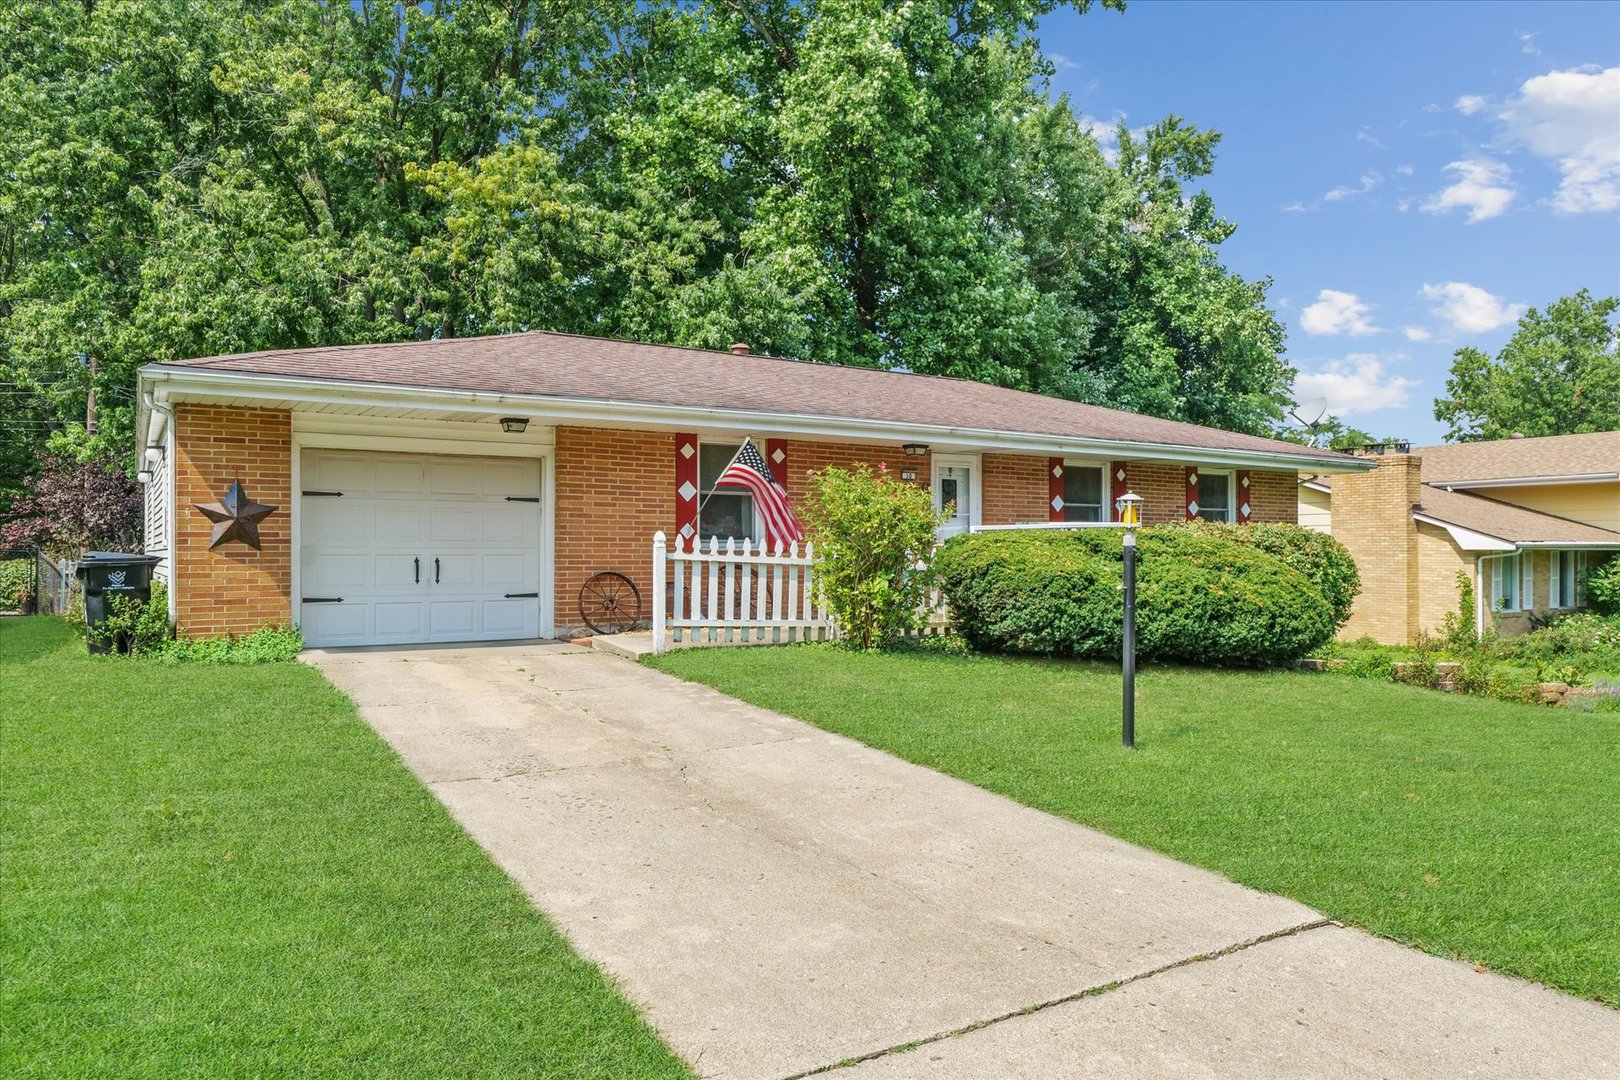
(1090, 991)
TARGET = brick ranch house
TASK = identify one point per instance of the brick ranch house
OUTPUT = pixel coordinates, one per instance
(411, 508)
(1525, 519)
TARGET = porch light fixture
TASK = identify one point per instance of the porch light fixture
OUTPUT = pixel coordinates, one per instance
(514, 425)
(915, 449)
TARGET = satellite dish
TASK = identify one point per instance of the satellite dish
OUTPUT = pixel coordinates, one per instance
(1316, 406)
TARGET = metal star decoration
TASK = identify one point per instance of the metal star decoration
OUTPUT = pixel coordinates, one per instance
(235, 517)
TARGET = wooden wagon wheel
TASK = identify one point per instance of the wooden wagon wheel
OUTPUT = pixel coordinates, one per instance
(609, 603)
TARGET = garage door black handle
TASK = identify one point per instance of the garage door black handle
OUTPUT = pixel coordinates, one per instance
(522, 596)
(523, 498)
(435, 570)
(322, 599)
(418, 562)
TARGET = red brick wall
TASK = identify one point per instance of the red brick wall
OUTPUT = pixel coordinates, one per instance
(232, 589)
(1273, 496)
(805, 458)
(614, 489)
(1016, 489)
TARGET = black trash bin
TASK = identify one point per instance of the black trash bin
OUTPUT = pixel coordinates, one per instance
(107, 574)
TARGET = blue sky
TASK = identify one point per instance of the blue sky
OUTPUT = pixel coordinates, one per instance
(1411, 175)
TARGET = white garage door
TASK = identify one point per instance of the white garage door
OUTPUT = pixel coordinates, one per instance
(400, 548)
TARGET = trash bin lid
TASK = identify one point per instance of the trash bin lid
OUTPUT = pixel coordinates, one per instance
(116, 556)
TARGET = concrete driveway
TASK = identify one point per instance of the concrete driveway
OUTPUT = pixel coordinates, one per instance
(780, 901)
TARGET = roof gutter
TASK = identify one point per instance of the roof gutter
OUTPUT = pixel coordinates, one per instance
(1474, 540)
(1525, 481)
(166, 383)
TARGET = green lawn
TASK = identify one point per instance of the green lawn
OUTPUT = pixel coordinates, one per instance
(224, 872)
(1472, 828)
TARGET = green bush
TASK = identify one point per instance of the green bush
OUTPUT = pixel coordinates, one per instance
(1035, 592)
(137, 627)
(1603, 587)
(1326, 562)
(16, 584)
(1201, 596)
(872, 534)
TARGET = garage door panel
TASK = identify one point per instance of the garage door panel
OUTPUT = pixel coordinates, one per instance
(402, 621)
(397, 508)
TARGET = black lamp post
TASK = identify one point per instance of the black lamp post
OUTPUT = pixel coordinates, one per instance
(1129, 507)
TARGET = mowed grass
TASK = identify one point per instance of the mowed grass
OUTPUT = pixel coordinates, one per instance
(1475, 829)
(224, 872)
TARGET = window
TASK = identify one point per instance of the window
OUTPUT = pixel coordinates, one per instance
(1562, 570)
(1505, 583)
(1083, 489)
(727, 512)
(1214, 496)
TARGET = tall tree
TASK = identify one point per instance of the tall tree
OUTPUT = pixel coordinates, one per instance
(1558, 375)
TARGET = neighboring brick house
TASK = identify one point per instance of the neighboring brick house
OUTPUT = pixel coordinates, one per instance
(1524, 519)
(466, 489)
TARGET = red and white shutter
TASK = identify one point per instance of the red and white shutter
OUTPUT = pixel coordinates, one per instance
(776, 456)
(1117, 487)
(1054, 489)
(1192, 492)
(686, 490)
(1243, 496)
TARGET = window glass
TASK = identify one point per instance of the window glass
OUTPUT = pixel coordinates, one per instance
(1566, 578)
(1083, 493)
(1215, 496)
(1507, 583)
(728, 512)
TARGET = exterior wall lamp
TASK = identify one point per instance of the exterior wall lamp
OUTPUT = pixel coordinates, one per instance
(915, 449)
(514, 425)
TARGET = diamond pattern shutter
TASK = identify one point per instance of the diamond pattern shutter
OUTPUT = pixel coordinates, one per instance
(1116, 486)
(1054, 489)
(1243, 496)
(776, 456)
(1192, 492)
(686, 488)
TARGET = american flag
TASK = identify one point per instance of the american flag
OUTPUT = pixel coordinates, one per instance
(749, 470)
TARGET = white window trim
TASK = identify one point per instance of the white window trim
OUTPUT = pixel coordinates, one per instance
(758, 536)
(1231, 492)
(1107, 488)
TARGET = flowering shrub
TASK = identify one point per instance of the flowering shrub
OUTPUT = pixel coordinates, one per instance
(72, 506)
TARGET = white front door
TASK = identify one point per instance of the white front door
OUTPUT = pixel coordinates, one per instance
(404, 548)
(955, 491)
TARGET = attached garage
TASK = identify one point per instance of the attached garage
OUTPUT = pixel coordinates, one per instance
(401, 548)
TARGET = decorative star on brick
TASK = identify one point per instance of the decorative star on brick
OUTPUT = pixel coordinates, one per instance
(235, 517)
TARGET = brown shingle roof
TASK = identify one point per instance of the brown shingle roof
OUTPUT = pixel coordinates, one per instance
(1507, 522)
(1506, 459)
(565, 366)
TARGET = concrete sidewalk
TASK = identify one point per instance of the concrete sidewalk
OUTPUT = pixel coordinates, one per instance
(780, 901)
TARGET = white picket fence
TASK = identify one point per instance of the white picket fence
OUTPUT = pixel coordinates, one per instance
(741, 593)
(735, 594)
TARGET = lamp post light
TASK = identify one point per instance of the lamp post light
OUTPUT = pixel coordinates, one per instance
(1129, 508)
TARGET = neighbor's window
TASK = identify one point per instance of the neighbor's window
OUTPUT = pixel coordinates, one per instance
(1561, 574)
(1214, 496)
(728, 512)
(1505, 583)
(1083, 488)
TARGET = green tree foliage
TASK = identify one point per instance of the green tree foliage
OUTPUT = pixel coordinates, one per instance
(1558, 375)
(849, 181)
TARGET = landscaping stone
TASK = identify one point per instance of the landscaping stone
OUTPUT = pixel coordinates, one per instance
(1553, 693)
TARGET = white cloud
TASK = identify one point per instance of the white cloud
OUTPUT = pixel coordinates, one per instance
(1373, 142)
(1469, 104)
(1573, 118)
(1337, 312)
(1483, 188)
(1403, 170)
(1527, 41)
(1369, 180)
(1417, 333)
(1357, 384)
(1061, 62)
(1470, 309)
(1106, 132)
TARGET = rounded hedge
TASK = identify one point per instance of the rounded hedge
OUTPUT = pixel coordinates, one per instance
(1317, 555)
(1202, 596)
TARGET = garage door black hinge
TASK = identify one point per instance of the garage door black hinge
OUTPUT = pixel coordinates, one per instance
(523, 498)
(523, 596)
(322, 599)
(325, 494)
